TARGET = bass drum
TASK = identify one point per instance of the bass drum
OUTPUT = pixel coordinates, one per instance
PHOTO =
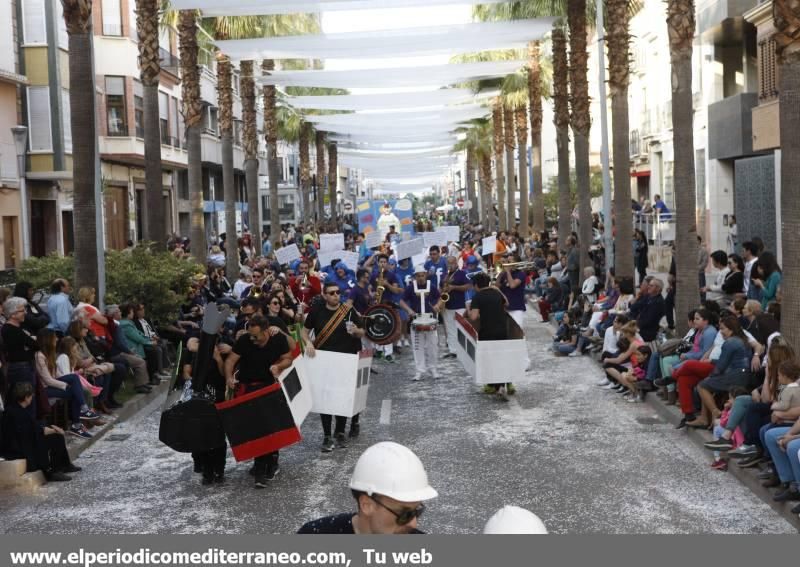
(382, 324)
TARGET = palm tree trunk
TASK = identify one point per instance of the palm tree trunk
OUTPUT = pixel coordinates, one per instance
(319, 146)
(305, 171)
(618, 77)
(485, 165)
(155, 229)
(78, 17)
(497, 123)
(333, 180)
(535, 103)
(785, 14)
(581, 121)
(561, 119)
(472, 212)
(250, 143)
(511, 182)
(521, 119)
(681, 28)
(271, 127)
(225, 95)
(192, 116)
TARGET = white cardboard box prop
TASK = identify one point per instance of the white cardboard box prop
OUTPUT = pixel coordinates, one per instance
(339, 382)
(492, 362)
(297, 389)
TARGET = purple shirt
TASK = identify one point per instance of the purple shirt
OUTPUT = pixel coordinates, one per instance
(516, 296)
(457, 298)
(412, 299)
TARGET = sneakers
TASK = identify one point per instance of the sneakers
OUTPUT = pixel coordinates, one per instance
(388, 358)
(787, 494)
(610, 386)
(261, 481)
(749, 462)
(341, 441)
(435, 373)
(603, 382)
(719, 465)
(79, 430)
(417, 377)
(766, 474)
(489, 389)
(272, 471)
(743, 451)
(720, 444)
(574, 353)
(635, 399)
(327, 445)
(89, 415)
(510, 389)
(661, 382)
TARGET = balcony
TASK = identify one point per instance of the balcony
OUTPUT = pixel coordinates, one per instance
(713, 15)
(169, 62)
(730, 126)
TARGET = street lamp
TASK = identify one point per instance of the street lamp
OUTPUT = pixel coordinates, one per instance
(20, 134)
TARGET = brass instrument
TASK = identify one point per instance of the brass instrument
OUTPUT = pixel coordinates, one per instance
(380, 288)
(517, 266)
(256, 292)
(445, 295)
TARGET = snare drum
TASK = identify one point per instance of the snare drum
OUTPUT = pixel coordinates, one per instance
(424, 324)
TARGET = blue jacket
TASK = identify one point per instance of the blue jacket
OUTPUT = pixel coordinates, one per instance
(735, 355)
(59, 308)
(706, 342)
(648, 312)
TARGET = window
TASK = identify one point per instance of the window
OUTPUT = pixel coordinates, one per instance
(132, 32)
(39, 119)
(237, 132)
(213, 119)
(181, 126)
(138, 108)
(183, 185)
(63, 38)
(33, 22)
(112, 17)
(173, 123)
(163, 116)
(66, 120)
(235, 83)
(115, 106)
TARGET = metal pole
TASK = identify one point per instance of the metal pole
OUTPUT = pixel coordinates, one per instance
(608, 235)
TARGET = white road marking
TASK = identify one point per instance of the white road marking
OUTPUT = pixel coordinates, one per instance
(386, 412)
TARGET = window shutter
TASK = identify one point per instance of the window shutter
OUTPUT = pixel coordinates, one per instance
(63, 37)
(163, 106)
(138, 88)
(132, 32)
(66, 120)
(39, 119)
(767, 70)
(112, 17)
(33, 17)
(115, 86)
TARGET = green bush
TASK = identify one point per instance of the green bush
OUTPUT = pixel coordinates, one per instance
(157, 279)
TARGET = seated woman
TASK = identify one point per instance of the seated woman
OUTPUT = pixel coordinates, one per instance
(93, 366)
(66, 387)
(44, 448)
(615, 366)
(69, 361)
(553, 299)
(633, 379)
(731, 369)
(566, 338)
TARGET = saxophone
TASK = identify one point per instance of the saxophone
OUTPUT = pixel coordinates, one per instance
(380, 288)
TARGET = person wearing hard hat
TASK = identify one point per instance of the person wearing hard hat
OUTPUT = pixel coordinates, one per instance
(422, 301)
(514, 520)
(390, 485)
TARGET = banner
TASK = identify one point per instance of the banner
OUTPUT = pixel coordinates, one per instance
(287, 254)
(379, 215)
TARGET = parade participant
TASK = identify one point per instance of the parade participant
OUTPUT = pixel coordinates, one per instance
(258, 288)
(472, 267)
(337, 328)
(512, 283)
(261, 357)
(387, 290)
(405, 275)
(305, 287)
(514, 520)
(343, 277)
(389, 484)
(489, 306)
(359, 295)
(455, 286)
(436, 265)
(422, 297)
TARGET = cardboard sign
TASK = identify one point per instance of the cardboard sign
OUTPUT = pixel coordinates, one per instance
(409, 248)
(350, 259)
(343, 392)
(328, 242)
(419, 259)
(373, 239)
(453, 232)
(287, 254)
(437, 238)
(489, 245)
(325, 258)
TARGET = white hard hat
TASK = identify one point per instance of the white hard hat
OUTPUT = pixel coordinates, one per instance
(514, 520)
(420, 269)
(392, 470)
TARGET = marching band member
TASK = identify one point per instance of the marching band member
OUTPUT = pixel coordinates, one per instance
(471, 266)
(455, 286)
(385, 278)
(422, 297)
(343, 277)
(305, 286)
(436, 265)
(258, 287)
(337, 328)
(261, 356)
(512, 283)
(405, 275)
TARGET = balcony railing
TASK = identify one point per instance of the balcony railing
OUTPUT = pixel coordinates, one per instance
(140, 132)
(168, 61)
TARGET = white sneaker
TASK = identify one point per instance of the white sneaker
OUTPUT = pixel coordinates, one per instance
(435, 373)
(635, 400)
(417, 377)
(603, 382)
(610, 386)
(574, 353)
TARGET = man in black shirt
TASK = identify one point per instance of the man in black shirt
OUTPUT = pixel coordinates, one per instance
(390, 485)
(261, 358)
(18, 346)
(337, 328)
(489, 306)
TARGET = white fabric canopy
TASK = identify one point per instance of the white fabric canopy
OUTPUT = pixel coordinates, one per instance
(402, 153)
(389, 101)
(446, 116)
(404, 42)
(393, 77)
(213, 8)
(382, 143)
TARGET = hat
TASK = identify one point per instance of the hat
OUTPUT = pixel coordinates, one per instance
(420, 269)
(471, 260)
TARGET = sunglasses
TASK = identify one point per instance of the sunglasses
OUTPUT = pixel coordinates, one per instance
(274, 302)
(336, 292)
(406, 515)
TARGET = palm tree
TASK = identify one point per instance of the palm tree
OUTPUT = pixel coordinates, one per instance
(271, 129)
(319, 146)
(250, 146)
(511, 178)
(580, 120)
(521, 123)
(478, 145)
(535, 104)
(681, 28)
(499, 144)
(470, 185)
(78, 18)
(155, 228)
(618, 40)
(225, 97)
(192, 107)
(561, 119)
(785, 13)
(333, 179)
(290, 130)
(305, 171)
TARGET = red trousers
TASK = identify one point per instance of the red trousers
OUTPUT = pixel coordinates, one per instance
(689, 375)
(544, 309)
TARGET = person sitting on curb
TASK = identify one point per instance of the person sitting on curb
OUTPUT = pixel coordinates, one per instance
(389, 485)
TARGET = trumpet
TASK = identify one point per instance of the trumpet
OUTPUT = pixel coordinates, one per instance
(380, 287)
(524, 266)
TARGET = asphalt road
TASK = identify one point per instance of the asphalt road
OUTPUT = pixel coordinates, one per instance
(584, 460)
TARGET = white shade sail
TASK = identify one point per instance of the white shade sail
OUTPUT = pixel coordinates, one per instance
(213, 8)
(406, 42)
(448, 115)
(388, 77)
(389, 101)
(439, 150)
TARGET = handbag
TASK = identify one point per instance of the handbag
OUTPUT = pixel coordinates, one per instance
(669, 347)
